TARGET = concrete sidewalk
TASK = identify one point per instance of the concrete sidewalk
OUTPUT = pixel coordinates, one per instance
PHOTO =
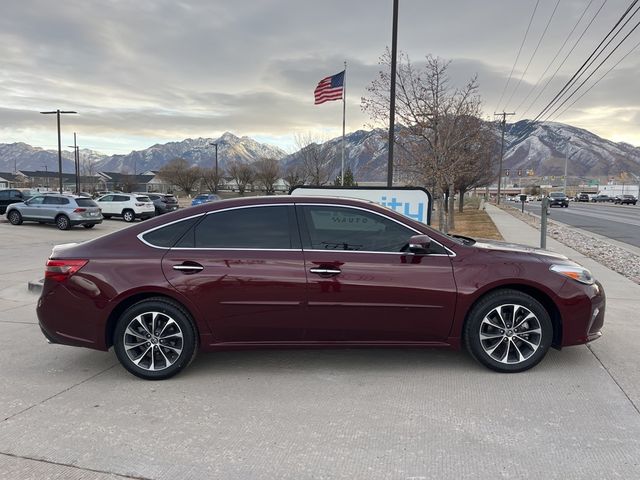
(618, 350)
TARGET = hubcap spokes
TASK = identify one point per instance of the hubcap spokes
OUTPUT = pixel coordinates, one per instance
(510, 333)
(153, 341)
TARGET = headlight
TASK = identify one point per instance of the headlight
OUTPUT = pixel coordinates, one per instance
(576, 272)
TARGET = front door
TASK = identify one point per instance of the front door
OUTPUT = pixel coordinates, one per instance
(364, 288)
(244, 269)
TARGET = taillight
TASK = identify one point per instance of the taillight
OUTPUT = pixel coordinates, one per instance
(61, 270)
(79, 210)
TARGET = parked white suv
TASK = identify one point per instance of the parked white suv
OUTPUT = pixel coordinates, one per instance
(129, 206)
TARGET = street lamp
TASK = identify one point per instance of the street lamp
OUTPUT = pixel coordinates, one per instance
(76, 162)
(57, 113)
(215, 190)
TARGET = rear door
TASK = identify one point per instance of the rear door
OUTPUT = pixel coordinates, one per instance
(364, 288)
(244, 269)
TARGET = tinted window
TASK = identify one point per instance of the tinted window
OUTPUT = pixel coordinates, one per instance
(16, 195)
(52, 201)
(4, 195)
(120, 198)
(169, 235)
(254, 227)
(36, 200)
(86, 202)
(108, 198)
(343, 228)
(143, 199)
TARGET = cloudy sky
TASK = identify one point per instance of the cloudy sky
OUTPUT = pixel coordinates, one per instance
(148, 71)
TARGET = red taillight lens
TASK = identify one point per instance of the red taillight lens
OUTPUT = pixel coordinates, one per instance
(61, 270)
(79, 210)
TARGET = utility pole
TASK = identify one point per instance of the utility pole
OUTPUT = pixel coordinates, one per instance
(504, 123)
(566, 162)
(57, 113)
(215, 188)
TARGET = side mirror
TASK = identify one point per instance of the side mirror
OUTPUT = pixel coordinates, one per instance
(419, 244)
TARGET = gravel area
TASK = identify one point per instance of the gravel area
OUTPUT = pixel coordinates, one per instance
(612, 256)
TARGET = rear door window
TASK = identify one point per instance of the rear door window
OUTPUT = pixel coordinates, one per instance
(268, 228)
(167, 236)
(86, 202)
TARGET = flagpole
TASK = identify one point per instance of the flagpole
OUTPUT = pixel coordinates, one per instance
(344, 110)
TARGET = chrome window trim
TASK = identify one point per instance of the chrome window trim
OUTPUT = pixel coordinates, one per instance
(140, 235)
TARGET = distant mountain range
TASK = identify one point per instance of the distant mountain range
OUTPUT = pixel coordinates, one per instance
(540, 148)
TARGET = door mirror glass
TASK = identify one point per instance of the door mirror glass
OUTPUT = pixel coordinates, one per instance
(419, 244)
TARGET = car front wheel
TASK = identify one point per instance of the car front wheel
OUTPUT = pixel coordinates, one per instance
(15, 218)
(155, 339)
(89, 225)
(508, 331)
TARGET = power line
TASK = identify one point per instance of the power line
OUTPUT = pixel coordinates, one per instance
(584, 12)
(534, 53)
(566, 57)
(582, 67)
(519, 52)
(596, 57)
(598, 81)
(596, 69)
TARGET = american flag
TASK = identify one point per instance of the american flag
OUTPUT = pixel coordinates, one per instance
(329, 88)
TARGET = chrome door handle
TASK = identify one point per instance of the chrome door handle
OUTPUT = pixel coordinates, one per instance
(188, 268)
(326, 271)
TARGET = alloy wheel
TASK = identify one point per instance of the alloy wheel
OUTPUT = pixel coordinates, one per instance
(153, 341)
(510, 333)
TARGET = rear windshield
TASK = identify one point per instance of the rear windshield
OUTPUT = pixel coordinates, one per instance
(86, 202)
(556, 194)
(143, 199)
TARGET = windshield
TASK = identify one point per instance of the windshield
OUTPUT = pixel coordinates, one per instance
(556, 194)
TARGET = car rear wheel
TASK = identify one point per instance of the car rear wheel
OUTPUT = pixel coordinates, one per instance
(15, 218)
(62, 222)
(128, 216)
(155, 339)
(508, 331)
(89, 225)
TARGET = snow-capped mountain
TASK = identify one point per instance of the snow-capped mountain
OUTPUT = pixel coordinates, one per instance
(542, 148)
(537, 147)
(197, 151)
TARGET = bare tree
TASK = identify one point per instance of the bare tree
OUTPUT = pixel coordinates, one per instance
(210, 180)
(267, 173)
(440, 124)
(314, 154)
(179, 173)
(294, 175)
(242, 172)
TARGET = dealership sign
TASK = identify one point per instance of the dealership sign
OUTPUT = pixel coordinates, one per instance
(412, 202)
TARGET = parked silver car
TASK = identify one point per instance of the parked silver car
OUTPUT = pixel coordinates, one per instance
(63, 210)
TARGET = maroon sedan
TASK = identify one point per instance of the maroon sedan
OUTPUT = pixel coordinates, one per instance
(310, 272)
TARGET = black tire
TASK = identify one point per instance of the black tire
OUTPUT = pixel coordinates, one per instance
(499, 341)
(63, 222)
(15, 218)
(106, 217)
(88, 225)
(142, 312)
(128, 216)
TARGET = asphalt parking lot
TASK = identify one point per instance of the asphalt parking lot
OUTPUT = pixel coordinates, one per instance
(74, 413)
